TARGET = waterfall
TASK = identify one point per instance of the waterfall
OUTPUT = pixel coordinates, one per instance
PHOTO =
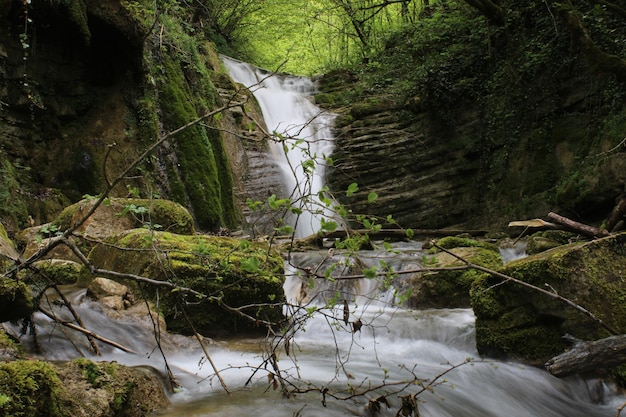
(395, 353)
(302, 136)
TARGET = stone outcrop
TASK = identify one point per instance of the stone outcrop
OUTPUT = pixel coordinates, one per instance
(518, 322)
(450, 289)
(219, 267)
(87, 86)
(80, 388)
(475, 133)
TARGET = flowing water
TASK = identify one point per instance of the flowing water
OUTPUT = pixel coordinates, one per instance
(302, 137)
(396, 351)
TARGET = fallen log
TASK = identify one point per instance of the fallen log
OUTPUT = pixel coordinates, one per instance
(575, 226)
(317, 240)
(589, 356)
(617, 214)
(400, 233)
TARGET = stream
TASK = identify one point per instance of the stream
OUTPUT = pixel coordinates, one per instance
(395, 352)
(394, 348)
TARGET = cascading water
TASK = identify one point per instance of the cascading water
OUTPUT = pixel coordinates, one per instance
(394, 351)
(301, 132)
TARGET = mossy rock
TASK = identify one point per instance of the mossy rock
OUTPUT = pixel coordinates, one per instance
(239, 272)
(450, 242)
(31, 388)
(549, 239)
(110, 389)
(450, 289)
(518, 322)
(9, 347)
(80, 388)
(61, 271)
(129, 213)
(16, 301)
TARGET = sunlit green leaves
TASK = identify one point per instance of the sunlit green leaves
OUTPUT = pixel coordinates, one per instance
(328, 225)
(275, 203)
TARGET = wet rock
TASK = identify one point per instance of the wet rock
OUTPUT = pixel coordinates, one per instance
(515, 321)
(450, 289)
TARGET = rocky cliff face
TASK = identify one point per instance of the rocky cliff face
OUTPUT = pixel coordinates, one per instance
(86, 87)
(461, 123)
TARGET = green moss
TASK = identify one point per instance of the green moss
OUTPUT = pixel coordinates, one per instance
(451, 288)
(16, 301)
(525, 343)
(588, 274)
(77, 13)
(31, 388)
(450, 242)
(167, 214)
(239, 272)
(61, 271)
(13, 210)
(198, 167)
(9, 347)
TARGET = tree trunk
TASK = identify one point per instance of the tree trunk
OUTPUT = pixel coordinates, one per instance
(589, 356)
(490, 9)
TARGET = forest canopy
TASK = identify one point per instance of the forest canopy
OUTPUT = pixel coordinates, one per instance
(312, 36)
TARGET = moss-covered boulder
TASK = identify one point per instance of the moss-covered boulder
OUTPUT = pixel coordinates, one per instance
(451, 288)
(80, 388)
(61, 271)
(237, 271)
(515, 321)
(16, 301)
(9, 348)
(118, 214)
(113, 216)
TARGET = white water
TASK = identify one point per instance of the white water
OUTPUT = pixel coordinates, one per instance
(404, 343)
(301, 131)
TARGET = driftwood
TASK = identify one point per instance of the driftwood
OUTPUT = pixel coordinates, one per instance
(589, 356)
(617, 214)
(400, 233)
(584, 229)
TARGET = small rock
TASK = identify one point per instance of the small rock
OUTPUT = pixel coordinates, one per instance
(101, 288)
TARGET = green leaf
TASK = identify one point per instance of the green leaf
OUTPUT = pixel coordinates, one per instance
(370, 272)
(284, 230)
(371, 197)
(410, 232)
(244, 244)
(250, 264)
(217, 117)
(329, 225)
(352, 188)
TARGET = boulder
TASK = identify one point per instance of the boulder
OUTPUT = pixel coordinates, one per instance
(518, 322)
(110, 293)
(239, 272)
(450, 289)
(61, 271)
(80, 388)
(118, 214)
(103, 287)
(112, 217)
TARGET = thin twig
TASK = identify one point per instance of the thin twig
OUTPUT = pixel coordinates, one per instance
(86, 331)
